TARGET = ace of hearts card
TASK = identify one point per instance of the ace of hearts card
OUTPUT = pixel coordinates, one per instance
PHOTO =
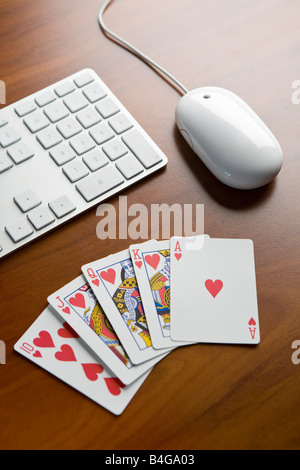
(214, 294)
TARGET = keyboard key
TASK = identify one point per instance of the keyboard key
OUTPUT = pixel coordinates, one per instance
(69, 127)
(41, 218)
(25, 108)
(64, 89)
(75, 102)
(27, 200)
(62, 154)
(75, 171)
(82, 144)
(49, 138)
(95, 160)
(62, 206)
(142, 149)
(115, 149)
(107, 108)
(3, 121)
(19, 230)
(45, 98)
(129, 166)
(8, 136)
(5, 162)
(94, 92)
(20, 153)
(101, 133)
(36, 121)
(88, 117)
(56, 111)
(83, 79)
(100, 183)
(120, 123)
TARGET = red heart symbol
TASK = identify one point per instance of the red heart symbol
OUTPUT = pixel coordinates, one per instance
(114, 385)
(78, 300)
(152, 260)
(214, 287)
(67, 332)
(109, 275)
(37, 354)
(92, 371)
(252, 322)
(66, 310)
(96, 282)
(65, 354)
(44, 340)
(178, 256)
(139, 264)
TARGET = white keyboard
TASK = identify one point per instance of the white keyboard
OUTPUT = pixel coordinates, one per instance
(63, 150)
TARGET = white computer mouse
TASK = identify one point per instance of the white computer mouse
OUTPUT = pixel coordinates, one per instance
(229, 137)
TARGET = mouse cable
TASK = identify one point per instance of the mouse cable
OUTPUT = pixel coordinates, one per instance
(121, 42)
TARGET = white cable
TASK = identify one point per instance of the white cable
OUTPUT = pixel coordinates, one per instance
(133, 49)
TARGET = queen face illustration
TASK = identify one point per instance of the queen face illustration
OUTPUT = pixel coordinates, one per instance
(127, 299)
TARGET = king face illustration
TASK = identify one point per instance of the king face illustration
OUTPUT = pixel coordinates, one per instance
(160, 287)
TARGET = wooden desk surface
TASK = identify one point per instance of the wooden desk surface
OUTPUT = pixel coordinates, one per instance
(202, 396)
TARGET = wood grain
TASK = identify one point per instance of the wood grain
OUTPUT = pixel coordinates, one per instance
(202, 396)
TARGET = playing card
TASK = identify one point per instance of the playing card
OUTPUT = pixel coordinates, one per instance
(53, 345)
(77, 305)
(151, 262)
(115, 286)
(214, 298)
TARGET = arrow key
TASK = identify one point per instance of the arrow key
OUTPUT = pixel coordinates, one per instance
(19, 230)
